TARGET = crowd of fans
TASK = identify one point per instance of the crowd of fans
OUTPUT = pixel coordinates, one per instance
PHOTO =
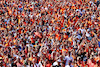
(50, 33)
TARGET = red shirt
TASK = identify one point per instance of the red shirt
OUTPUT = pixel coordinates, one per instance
(48, 65)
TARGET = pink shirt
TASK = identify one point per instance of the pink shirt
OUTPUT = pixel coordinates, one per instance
(90, 63)
(19, 65)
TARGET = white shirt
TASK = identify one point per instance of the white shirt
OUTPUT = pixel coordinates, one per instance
(40, 64)
(55, 63)
(87, 34)
(67, 58)
(67, 66)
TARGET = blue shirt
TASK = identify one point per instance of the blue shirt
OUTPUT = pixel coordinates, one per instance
(99, 43)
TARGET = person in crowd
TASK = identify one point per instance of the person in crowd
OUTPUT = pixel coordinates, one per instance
(50, 33)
